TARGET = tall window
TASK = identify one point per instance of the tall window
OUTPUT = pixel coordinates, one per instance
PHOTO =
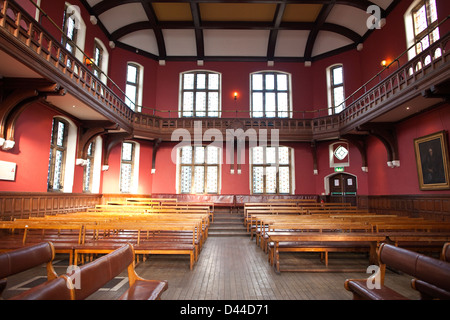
(271, 95)
(336, 94)
(89, 169)
(425, 20)
(271, 170)
(199, 169)
(200, 94)
(127, 167)
(70, 28)
(58, 151)
(133, 86)
(98, 60)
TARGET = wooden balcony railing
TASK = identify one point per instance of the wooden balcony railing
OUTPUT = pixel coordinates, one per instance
(431, 65)
(18, 25)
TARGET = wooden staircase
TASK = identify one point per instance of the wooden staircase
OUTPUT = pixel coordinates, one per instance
(227, 224)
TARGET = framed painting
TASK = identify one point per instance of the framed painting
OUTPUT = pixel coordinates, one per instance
(432, 161)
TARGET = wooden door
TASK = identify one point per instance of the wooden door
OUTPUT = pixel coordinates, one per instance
(343, 188)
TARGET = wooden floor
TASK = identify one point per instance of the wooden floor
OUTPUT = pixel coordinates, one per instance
(234, 268)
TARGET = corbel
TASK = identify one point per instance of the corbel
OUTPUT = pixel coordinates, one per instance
(112, 140)
(16, 99)
(359, 141)
(385, 132)
(89, 131)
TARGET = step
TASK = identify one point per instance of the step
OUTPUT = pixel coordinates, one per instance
(227, 225)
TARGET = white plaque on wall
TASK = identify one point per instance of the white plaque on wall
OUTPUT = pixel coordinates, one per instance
(7, 171)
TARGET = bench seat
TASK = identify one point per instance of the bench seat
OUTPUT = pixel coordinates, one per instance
(362, 292)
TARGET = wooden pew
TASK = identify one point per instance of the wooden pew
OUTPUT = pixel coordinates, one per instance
(431, 276)
(90, 277)
(15, 261)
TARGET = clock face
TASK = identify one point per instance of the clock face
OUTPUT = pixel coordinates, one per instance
(341, 153)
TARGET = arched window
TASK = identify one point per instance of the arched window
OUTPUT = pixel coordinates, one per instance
(134, 86)
(271, 94)
(101, 60)
(336, 91)
(421, 22)
(74, 31)
(200, 94)
(92, 167)
(62, 155)
(129, 167)
(198, 170)
(272, 170)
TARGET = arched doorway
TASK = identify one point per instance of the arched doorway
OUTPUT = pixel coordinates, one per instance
(343, 188)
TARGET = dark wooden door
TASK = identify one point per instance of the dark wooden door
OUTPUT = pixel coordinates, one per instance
(343, 188)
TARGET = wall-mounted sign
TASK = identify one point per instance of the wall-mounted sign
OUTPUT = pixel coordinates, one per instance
(7, 171)
(339, 169)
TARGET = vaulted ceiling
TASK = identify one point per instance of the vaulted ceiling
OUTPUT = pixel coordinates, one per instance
(258, 30)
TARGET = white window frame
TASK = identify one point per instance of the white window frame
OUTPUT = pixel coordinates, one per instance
(330, 89)
(139, 87)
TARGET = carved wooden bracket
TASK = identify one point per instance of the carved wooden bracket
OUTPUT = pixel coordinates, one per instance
(359, 141)
(111, 141)
(15, 100)
(89, 131)
(387, 135)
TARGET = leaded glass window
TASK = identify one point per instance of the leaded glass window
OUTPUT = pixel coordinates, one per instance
(271, 170)
(270, 95)
(57, 158)
(89, 169)
(127, 167)
(199, 169)
(425, 22)
(200, 94)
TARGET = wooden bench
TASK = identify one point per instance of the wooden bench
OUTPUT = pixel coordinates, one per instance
(19, 260)
(90, 277)
(432, 276)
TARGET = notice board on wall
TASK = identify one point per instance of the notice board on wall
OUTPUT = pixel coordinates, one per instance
(8, 171)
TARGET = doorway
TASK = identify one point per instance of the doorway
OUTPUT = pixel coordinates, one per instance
(343, 188)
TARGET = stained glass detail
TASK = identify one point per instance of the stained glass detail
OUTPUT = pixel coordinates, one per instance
(189, 81)
(282, 82)
(284, 178)
(186, 155)
(200, 93)
(199, 155)
(270, 95)
(271, 155)
(283, 156)
(58, 170)
(199, 179)
(341, 153)
(258, 155)
(271, 179)
(126, 177)
(60, 136)
(212, 180)
(258, 180)
(127, 151)
(212, 155)
(186, 179)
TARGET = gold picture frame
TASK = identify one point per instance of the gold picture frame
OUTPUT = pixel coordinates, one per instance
(432, 161)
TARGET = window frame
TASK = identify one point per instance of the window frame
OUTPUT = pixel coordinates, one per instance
(275, 90)
(277, 165)
(196, 90)
(135, 105)
(54, 149)
(88, 170)
(131, 162)
(431, 25)
(332, 108)
(193, 165)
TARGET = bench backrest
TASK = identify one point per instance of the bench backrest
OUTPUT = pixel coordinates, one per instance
(446, 252)
(93, 275)
(16, 261)
(428, 269)
(57, 289)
